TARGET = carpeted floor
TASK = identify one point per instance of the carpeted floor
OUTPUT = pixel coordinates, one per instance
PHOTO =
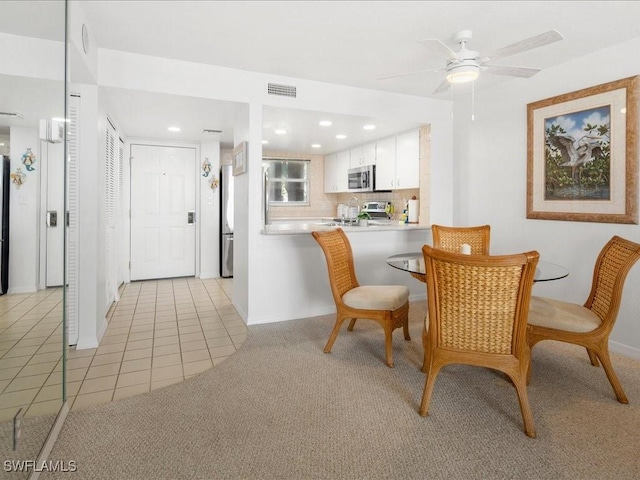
(281, 408)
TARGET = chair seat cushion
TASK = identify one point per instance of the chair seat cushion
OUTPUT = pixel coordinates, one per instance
(377, 297)
(571, 317)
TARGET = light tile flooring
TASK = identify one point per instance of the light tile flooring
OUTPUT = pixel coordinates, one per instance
(160, 332)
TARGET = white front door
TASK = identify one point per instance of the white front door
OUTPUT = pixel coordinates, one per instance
(163, 200)
(55, 221)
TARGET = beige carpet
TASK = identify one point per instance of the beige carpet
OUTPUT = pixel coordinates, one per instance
(280, 408)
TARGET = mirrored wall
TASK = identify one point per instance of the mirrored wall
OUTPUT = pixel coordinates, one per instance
(32, 148)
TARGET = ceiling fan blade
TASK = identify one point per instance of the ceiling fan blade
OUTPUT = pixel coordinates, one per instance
(444, 86)
(524, 72)
(438, 48)
(524, 45)
(427, 70)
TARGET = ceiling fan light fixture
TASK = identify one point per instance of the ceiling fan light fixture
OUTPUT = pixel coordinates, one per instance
(463, 73)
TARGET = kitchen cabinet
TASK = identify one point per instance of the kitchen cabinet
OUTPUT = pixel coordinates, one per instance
(343, 163)
(385, 163)
(363, 155)
(398, 162)
(336, 167)
(408, 160)
(330, 174)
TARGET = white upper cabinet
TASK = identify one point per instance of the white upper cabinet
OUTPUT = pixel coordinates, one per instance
(342, 169)
(385, 163)
(408, 160)
(330, 174)
(336, 167)
(363, 155)
(398, 162)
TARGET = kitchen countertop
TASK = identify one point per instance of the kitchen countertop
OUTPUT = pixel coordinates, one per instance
(292, 226)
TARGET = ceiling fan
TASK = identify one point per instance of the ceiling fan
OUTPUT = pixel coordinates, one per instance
(465, 65)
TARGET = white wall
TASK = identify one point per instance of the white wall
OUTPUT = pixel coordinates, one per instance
(209, 216)
(490, 161)
(24, 214)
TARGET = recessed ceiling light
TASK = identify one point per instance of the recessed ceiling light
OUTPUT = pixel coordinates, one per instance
(280, 131)
(340, 136)
(174, 129)
(316, 145)
(369, 127)
(623, 110)
(325, 123)
(1, 144)
(264, 142)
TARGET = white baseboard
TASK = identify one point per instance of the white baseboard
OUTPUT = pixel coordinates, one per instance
(205, 275)
(624, 350)
(29, 289)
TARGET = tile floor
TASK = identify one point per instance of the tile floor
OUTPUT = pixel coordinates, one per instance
(160, 332)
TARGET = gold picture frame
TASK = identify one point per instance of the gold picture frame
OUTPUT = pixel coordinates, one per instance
(240, 155)
(582, 155)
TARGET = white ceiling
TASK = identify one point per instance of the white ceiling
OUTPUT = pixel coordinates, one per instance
(343, 42)
(355, 42)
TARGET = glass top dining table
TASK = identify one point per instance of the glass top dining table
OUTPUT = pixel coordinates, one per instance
(413, 262)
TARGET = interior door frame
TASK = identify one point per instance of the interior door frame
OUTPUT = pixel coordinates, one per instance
(129, 143)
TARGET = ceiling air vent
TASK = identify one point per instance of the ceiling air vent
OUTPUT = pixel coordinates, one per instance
(282, 90)
(207, 130)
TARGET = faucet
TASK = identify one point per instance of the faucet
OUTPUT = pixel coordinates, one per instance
(353, 220)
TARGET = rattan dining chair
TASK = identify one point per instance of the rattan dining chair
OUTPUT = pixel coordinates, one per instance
(386, 304)
(589, 325)
(478, 307)
(450, 239)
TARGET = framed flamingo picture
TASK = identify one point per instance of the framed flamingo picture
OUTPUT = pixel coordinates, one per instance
(582, 155)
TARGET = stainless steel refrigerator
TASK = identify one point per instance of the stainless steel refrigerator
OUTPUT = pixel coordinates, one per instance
(226, 221)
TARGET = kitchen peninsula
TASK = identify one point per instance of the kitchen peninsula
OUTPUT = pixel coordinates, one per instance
(296, 269)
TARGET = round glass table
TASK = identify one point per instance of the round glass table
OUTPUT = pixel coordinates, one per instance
(413, 263)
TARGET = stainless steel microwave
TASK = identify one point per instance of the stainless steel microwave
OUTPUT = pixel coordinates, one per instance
(362, 179)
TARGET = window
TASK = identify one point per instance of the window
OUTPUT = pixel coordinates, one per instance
(288, 181)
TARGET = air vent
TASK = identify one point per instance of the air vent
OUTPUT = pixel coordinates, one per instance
(206, 130)
(281, 90)
(11, 114)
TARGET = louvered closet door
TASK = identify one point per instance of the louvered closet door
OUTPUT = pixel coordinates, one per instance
(163, 240)
(122, 259)
(111, 214)
(73, 135)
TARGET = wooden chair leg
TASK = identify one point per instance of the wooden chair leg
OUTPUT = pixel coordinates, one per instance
(593, 357)
(334, 334)
(605, 360)
(352, 324)
(525, 408)
(425, 345)
(405, 329)
(432, 373)
(388, 344)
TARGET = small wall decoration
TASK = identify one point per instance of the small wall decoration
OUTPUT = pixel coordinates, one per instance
(213, 183)
(28, 159)
(240, 159)
(582, 150)
(206, 167)
(18, 177)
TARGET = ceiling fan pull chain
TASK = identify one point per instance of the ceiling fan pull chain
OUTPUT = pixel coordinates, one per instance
(473, 101)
